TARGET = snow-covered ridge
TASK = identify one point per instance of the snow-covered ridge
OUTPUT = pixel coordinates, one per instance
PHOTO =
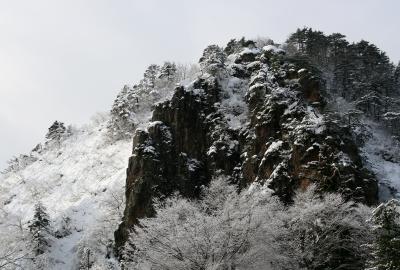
(81, 180)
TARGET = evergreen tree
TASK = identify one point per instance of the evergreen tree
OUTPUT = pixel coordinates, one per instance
(150, 76)
(246, 43)
(231, 47)
(167, 71)
(235, 46)
(213, 59)
(397, 78)
(86, 259)
(297, 41)
(387, 228)
(338, 45)
(56, 132)
(392, 120)
(121, 123)
(39, 228)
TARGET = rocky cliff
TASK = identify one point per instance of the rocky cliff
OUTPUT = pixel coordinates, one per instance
(253, 115)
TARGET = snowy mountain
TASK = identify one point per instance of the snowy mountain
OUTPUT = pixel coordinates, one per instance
(271, 119)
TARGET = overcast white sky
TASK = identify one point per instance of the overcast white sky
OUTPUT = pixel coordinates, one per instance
(67, 59)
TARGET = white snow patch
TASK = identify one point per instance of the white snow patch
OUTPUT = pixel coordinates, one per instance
(249, 51)
(316, 120)
(212, 150)
(274, 146)
(272, 48)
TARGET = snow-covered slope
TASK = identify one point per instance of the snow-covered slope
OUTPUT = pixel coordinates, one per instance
(81, 183)
(379, 149)
(382, 155)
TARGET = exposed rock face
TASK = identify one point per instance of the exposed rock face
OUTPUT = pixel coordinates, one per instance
(173, 154)
(260, 119)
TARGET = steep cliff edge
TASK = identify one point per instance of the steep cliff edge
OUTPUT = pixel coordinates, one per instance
(252, 115)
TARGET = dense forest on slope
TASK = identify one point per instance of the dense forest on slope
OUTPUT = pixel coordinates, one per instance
(261, 156)
(358, 72)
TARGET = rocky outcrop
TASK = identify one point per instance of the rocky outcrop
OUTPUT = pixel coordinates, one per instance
(261, 119)
(173, 155)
